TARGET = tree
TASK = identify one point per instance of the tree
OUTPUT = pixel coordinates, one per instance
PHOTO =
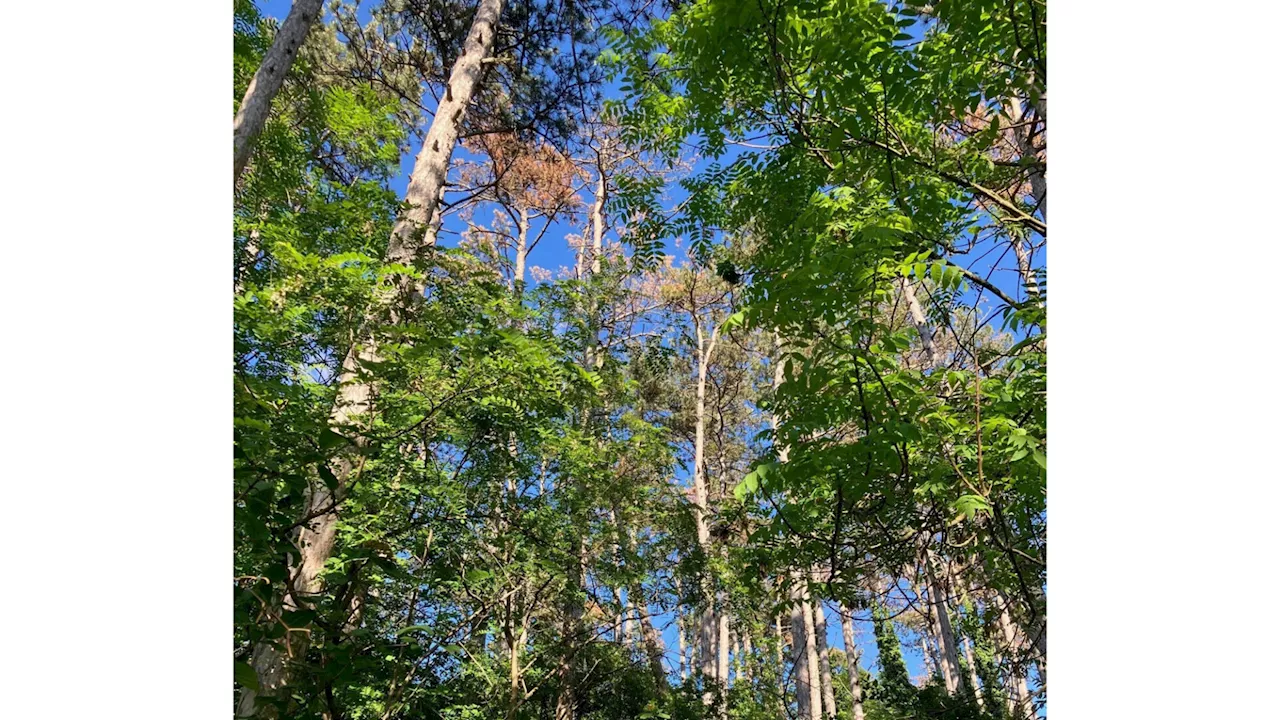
(266, 82)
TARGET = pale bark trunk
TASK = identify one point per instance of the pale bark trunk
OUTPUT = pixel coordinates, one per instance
(779, 658)
(597, 223)
(949, 658)
(266, 82)
(709, 626)
(920, 321)
(566, 700)
(626, 633)
(852, 655)
(412, 230)
(824, 660)
(1039, 189)
(686, 662)
(355, 396)
(737, 656)
(804, 656)
(929, 656)
(1018, 693)
(722, 665)
(1025, 271)
(969, 660)
(653, 645)
(707, 631)
(748, 655)
(522, 252)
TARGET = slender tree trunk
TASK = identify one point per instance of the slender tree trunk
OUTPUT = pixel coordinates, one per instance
(426, 184)
(920, 321)
(779, 659)
(566, 700)
(266, 82)
(824, 659)
(736, 636)
(722, 664)
(355, 395)
(522, 251)
(1039, 188)
(653, 644)
(804, 653)
(748, 656)
(686, 663)
(1019, 696)
(971, 661)
(929, 654)
(852, 655)
(709, 626)
(1028, 275)
(949, 658)
(597, 222)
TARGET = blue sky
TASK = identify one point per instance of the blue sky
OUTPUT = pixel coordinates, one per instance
(553, 252)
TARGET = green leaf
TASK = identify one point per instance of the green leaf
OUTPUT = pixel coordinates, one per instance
(330, 480)
(246, 676)
(330, 440)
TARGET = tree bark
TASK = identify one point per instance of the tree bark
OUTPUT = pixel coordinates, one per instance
(824, 660)
(412, 230)
(971, 661)
(920, 321)
(804, 653)
(709, 625)
(1019, 696)
(686, 662)
(949, 658)
(852, 655)
(722, 665)
(1037, 176)
(522, 251)
(266, 82)
(653, 645)
(780, 662)
(355, 395)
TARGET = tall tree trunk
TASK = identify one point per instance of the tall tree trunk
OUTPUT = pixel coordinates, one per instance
(929, 656)
(1026, 147)
(722, 664)
(949, 658)
(686, 662)
(426, 184)
(971, 661)
(920, 321)
(1019, 696)
(266, 82)
(652, 643)
(737, 656)
(804, 653)
(571, 629)
(355, 395)
(779, 660)
(748, 655)
(852, 655)
(824, 660)
(709, 625)
(522, 251)
(597, 222)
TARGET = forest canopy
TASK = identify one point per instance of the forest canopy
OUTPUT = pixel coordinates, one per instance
(640, 359)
